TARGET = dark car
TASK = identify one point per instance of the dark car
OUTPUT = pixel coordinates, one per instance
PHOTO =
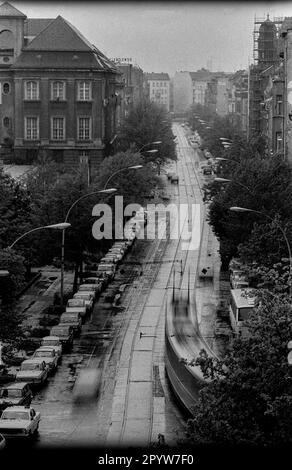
(65, 333)
(15, 394)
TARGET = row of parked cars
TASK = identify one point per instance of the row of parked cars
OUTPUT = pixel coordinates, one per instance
(18, 418)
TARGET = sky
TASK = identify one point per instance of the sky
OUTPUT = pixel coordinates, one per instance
(166, 36)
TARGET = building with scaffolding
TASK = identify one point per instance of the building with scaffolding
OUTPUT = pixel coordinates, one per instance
(266, 63)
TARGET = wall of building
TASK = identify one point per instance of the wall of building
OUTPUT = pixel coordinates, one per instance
(182, 92)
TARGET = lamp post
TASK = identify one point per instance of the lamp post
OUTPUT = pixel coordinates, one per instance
(225, 180)
(60, 226)
(245, 209)
(223, 159)
(132, 167)
(103, 191)
(157, 142)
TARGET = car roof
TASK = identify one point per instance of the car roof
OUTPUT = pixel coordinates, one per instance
(18, 385)
(51, 337)
(18, 408)
(34, 359)
(43, 348)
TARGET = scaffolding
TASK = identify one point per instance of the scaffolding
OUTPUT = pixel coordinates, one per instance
(266, 41)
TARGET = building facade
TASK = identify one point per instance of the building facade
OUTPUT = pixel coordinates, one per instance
(217, 94)
(200, 80)
(58, 92)
(158, 88)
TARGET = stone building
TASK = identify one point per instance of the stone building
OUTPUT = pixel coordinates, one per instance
(158, 88)
(58, 92)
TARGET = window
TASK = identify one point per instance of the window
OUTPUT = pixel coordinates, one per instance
(84, 128)
(84, 91)
(58, 91)
(31, 90)
(32, 128)
(6, 88)
(6, 122)
(58, 128)
(279, 104)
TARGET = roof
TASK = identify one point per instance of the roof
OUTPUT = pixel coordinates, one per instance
(8, 11)
(33, 26)
(157, 76)
(201, 75)
(74, 50)
(244, 298)
(59, 35)
(18, 385)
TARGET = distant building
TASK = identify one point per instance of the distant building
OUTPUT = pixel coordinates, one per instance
(217, 93)
(58, 92)
(158, 88)
(132, 79)
(238, 100)
(200, 80)
(189, 88)
(182, 92)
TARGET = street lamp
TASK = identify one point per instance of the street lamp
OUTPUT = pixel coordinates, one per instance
(157, 142)
(225, 180)
(245, 209)
(223, 159)
(102, 191)
(132, 167)
(60, 226)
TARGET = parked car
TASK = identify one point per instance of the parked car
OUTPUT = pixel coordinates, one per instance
(88, 298)
(65, 333)
(95, 288)
(170, 174)
(87, 385)
(93, 280)
(239, 284)
(77, 305)
(19, 421)
(111, 258)
(53, 341)
(34, 371)
(15, 394)
(109, 269)
(72, 319)
(49, 355)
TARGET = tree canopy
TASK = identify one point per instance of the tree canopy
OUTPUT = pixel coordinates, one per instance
(249, 399)
(146, 123)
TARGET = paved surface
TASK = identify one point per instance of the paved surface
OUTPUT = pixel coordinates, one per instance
(138, 412)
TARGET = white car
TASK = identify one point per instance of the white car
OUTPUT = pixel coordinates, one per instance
(49, 355)
(34, 371)
(53, 341)
(88, 298)
(96, 288)
(76, 305)
(19, 421)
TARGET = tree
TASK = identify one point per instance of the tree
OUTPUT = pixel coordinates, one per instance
(11, 261)
(134, 185)
(249, 397)
(267, 188)
(14, 209)
(147, 122)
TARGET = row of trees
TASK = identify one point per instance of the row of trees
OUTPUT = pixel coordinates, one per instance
(248, 399)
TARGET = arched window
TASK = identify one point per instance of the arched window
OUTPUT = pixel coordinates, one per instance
(6, 39)
(6, 122)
